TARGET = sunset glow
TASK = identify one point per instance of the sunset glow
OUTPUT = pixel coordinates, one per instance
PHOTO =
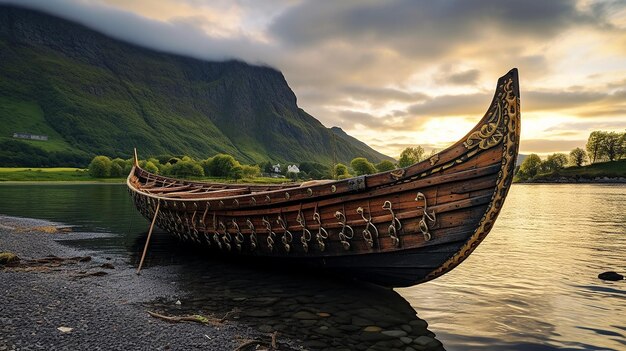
(416, 72)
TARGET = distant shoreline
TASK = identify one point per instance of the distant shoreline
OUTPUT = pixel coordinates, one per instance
(574, 180)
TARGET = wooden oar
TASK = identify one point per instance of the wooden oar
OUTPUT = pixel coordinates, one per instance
(145, 249)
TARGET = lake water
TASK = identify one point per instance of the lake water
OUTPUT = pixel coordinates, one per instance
(531, 285)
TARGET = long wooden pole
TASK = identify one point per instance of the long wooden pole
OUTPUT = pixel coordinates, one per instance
(145, 249)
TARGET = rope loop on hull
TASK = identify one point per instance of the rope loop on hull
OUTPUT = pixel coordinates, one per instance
(395, 225)
(322, 234)
(270, 234)
(430, 217)
(367, 233)
(306, 234)
(287, 236)
(344, 236)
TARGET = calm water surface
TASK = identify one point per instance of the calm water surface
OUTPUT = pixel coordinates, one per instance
(531, 285)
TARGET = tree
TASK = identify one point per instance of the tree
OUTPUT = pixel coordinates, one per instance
(554, 162)
(410, 155)
(610, 145)
(341, 171)
(151, 167)
(362, 166)
(623, 145)
(221, 165)
(315, 170)
(385, 165)
(206, 165)
(577, 157)
(117, 167)
(530, 167)
(100, 167)
(187, 169)
(594, 149)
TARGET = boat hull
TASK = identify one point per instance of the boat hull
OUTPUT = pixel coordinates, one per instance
(395, 228)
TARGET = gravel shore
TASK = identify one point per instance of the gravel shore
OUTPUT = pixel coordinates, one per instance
(104, 312)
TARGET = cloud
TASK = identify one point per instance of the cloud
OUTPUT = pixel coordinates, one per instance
(453, 105)
(424, 28)
(393, 66)
(559, 145)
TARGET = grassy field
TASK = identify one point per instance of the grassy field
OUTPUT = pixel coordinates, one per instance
(26, 174)
(21, 174)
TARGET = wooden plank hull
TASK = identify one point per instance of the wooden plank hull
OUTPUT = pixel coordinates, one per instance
(395, 228)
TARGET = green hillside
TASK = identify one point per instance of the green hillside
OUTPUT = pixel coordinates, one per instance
(91, 94)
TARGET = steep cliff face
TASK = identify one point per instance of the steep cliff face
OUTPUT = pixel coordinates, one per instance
(93, 94)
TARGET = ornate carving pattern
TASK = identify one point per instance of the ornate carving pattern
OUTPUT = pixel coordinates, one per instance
(490, 134)
(511, 117)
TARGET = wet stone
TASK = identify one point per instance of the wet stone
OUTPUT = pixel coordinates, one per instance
(407, 328)
(374, 337)
(264, 301)
(423, 340)
(361, 322)
(304, 315)
(406, 340)
(420, 323)
(315, 344)
(308, 322)
(395, 333)
(349, 328)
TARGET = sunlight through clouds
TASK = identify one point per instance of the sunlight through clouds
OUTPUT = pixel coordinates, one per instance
(402, 72)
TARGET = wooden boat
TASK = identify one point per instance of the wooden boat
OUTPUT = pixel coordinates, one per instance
(395, 228)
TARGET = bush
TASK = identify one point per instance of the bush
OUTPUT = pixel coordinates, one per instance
(100, 167)
(236, 172)
(341, 170)
(362, 166)
(385, 166)
(251, 171)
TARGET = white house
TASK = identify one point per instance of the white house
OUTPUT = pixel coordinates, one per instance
(293, 169)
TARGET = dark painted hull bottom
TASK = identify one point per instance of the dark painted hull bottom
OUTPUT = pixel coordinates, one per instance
(392, 269)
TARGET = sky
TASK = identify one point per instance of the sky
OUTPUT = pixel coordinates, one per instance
(403, 73)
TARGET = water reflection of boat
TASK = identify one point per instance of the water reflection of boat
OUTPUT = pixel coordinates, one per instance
(395, 228)
(317, 312)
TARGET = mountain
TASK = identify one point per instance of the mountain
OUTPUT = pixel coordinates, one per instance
(92, 94)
